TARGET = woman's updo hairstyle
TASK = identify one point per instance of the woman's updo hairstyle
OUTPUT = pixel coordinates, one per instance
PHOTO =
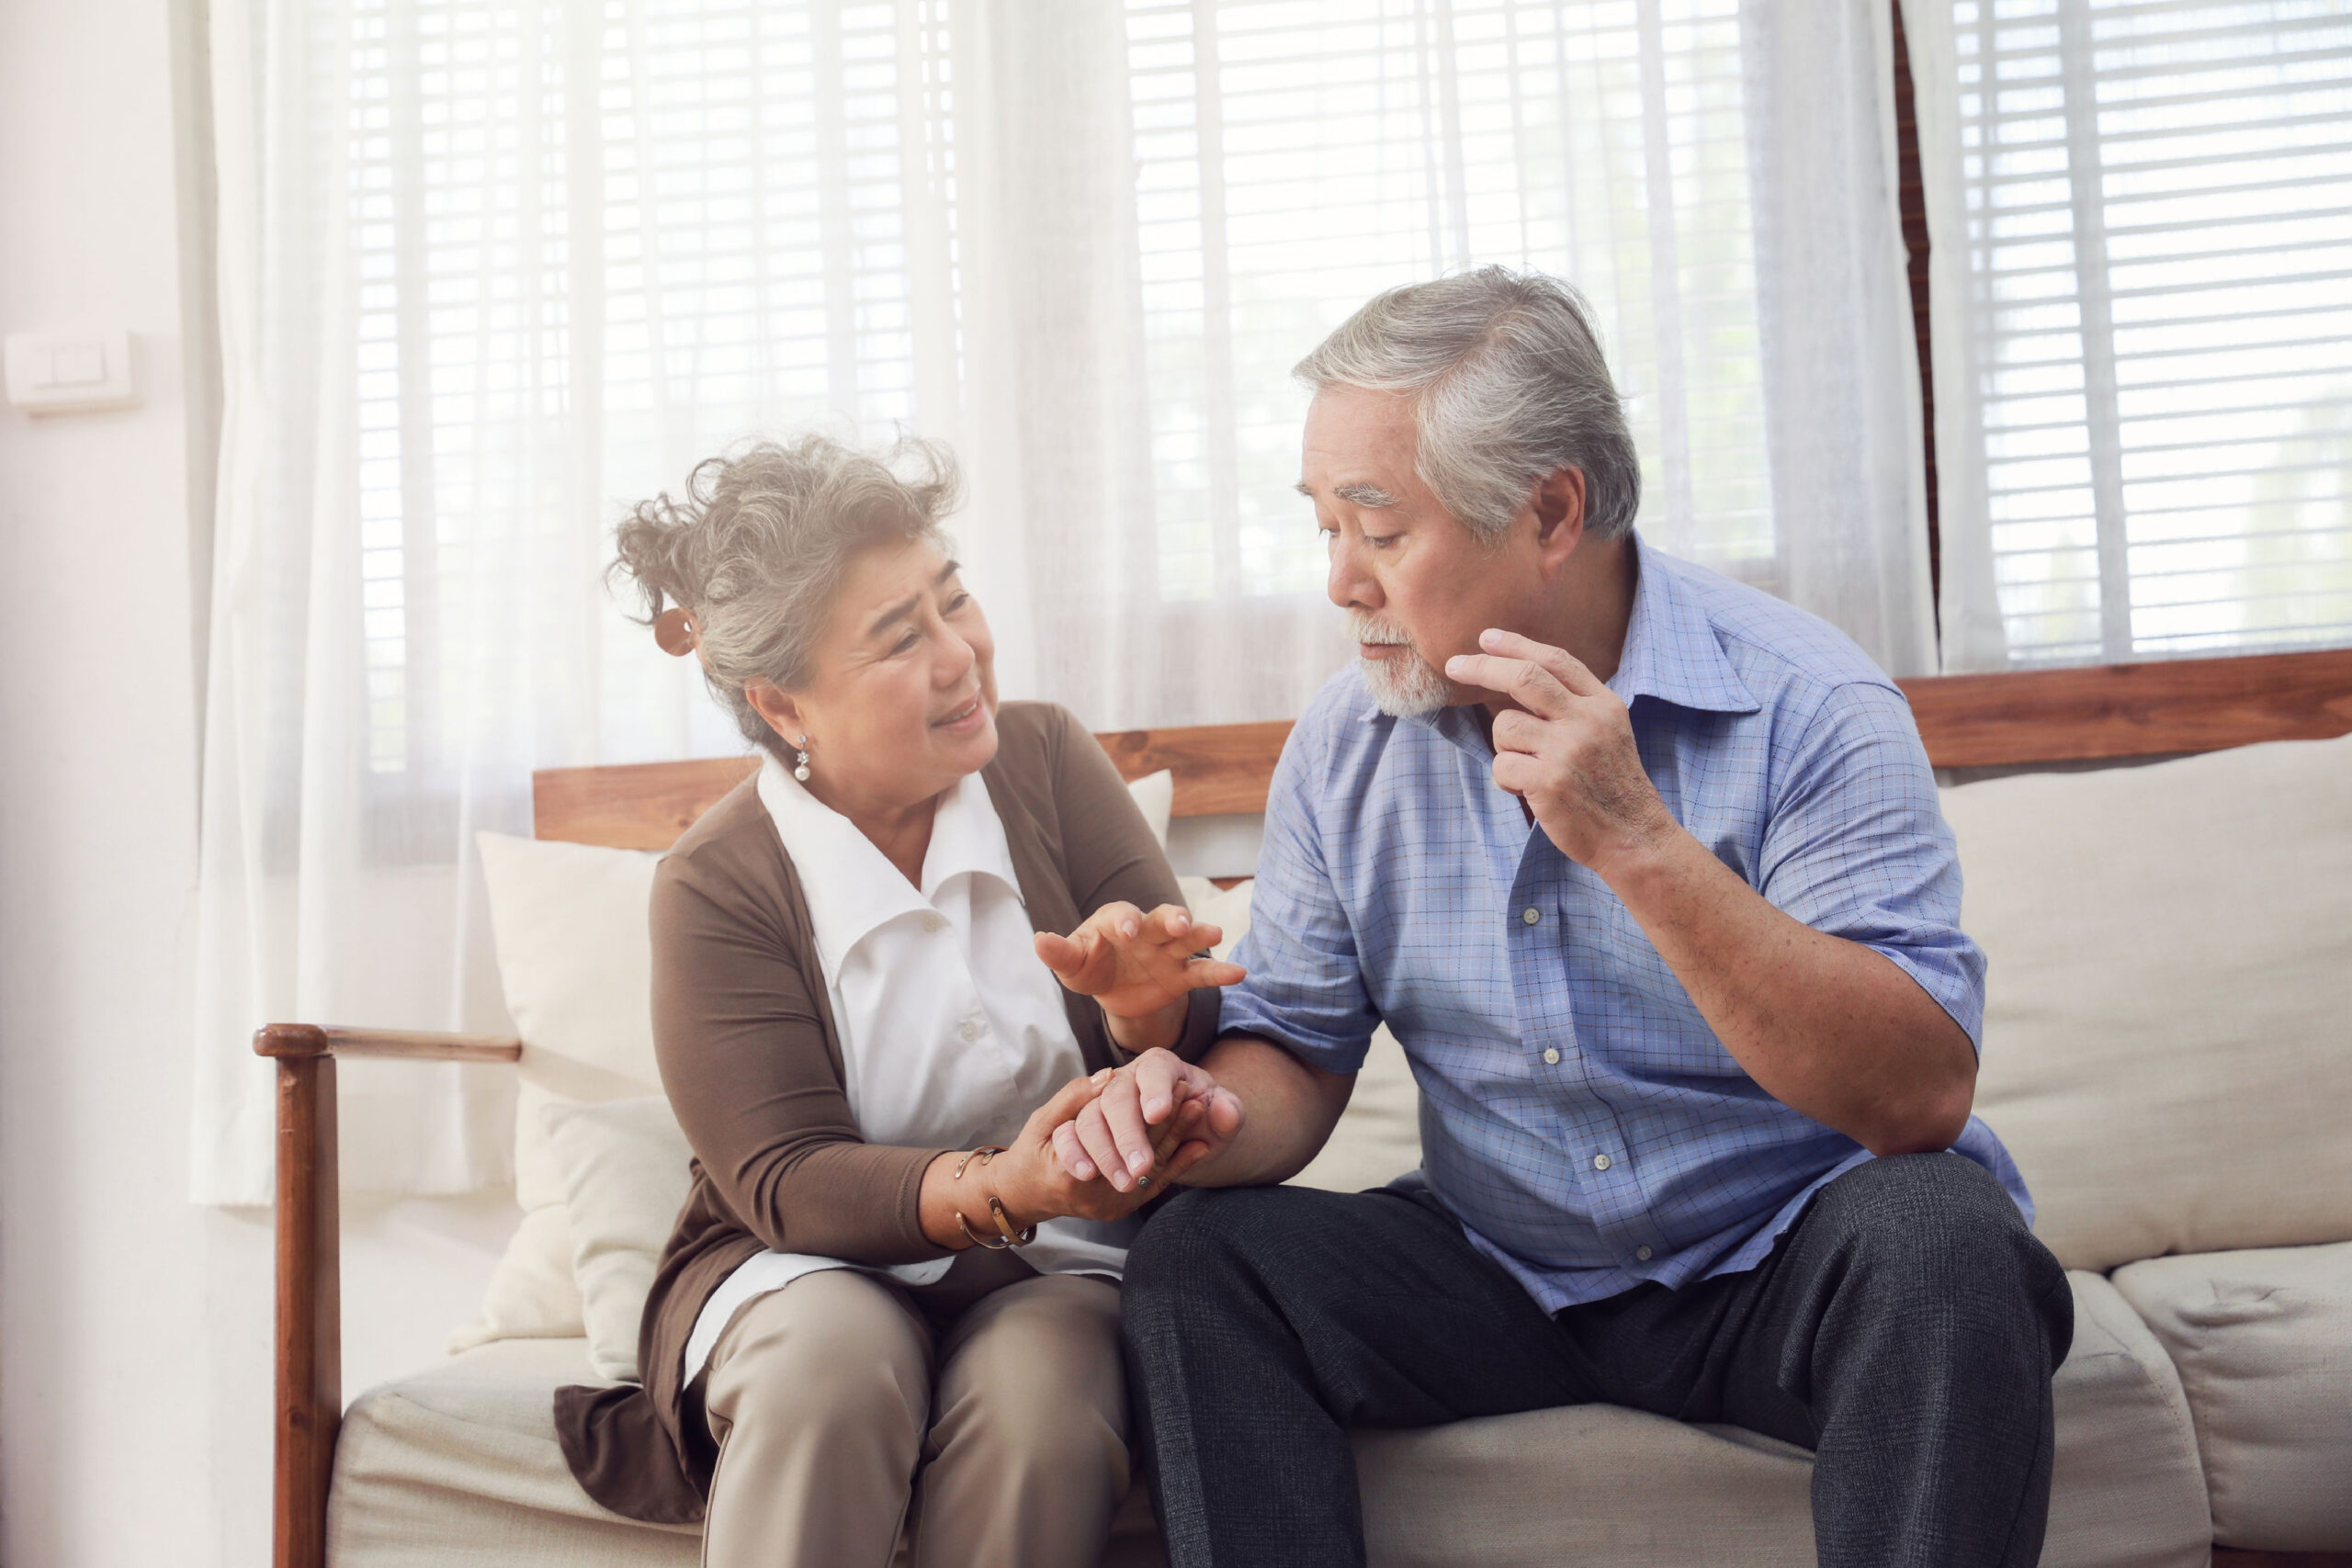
(754, 551)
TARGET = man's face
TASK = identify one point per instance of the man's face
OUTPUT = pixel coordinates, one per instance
(1418, 587)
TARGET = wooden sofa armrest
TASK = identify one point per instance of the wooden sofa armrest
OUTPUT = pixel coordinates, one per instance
(308, 1394)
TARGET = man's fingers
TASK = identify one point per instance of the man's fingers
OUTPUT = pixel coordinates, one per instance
(1563, 666)
(1128, 1130)
(1072, 1154)
(1517, 772)
(1094, 1140)
(1185, 1124)
(1525, 681)
(1158, 1075)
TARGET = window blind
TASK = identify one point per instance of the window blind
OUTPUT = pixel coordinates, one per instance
(2159, 226)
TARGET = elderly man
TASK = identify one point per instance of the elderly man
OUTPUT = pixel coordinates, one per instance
(1646, 870)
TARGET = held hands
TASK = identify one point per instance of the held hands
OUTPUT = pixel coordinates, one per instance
(1116, 1133)
(1570, 754)
(1035, 1182)
(1137, 964)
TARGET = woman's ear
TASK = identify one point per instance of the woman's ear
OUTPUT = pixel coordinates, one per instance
(782, 712)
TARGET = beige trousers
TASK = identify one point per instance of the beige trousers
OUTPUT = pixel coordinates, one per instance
(998, 1433)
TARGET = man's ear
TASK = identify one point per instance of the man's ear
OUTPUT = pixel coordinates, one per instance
(1558, 504)
(778, 707)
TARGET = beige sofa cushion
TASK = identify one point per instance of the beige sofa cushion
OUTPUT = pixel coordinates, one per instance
(2263, 1343)
(2169, 1025)
(459, 1466)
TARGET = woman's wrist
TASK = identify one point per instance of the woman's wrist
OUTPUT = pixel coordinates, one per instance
(1157, 1030)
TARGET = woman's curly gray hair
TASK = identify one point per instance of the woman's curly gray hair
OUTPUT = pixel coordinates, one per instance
(1508, 384)
(755, 549)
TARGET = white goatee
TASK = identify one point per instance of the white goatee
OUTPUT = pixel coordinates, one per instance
(1404, 687)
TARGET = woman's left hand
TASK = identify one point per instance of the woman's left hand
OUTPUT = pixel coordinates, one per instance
(1135, 964)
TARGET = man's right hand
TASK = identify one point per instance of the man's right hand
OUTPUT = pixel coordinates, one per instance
(1113, 1135)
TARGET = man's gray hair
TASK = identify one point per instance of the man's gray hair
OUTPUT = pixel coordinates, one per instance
(756, 548)
(1508, 385)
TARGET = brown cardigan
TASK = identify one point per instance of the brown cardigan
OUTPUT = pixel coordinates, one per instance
(751, 1061)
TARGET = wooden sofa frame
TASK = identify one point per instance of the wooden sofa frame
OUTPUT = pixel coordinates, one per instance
(2109, 713)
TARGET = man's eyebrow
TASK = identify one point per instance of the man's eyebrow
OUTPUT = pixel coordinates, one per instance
(906, 607)
(1362, 494)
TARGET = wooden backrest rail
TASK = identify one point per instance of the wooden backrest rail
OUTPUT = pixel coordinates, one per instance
(1967, 721)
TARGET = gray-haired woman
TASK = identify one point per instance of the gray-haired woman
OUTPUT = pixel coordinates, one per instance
(868, 1309)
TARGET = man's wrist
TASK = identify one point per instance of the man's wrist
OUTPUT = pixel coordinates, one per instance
(1642, 860)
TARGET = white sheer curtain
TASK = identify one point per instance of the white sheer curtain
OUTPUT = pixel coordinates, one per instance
(493, 268)
(2141, 213)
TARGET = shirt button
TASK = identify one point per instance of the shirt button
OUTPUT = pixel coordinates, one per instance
(1551, 1056)
(1643, 1253)
(1531, 914)
(934, 922)
(972, 1029)
(1601, 1162)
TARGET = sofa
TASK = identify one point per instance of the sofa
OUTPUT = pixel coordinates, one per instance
(2168, 1054)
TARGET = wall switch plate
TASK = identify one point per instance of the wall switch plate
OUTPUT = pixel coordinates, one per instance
(70, 372)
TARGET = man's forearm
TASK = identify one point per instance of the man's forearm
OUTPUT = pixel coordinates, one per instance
(1289, 1110)
(1826, 1026)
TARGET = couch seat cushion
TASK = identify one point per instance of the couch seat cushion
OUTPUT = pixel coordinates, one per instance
(2264, 1344)
(460, 1464)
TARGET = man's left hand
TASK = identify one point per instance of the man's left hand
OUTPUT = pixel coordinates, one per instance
(1568, 750)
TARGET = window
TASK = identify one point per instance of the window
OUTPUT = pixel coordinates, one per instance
(2159, 207)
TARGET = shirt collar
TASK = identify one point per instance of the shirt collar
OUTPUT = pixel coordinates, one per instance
(851, 888)
(1671, 652)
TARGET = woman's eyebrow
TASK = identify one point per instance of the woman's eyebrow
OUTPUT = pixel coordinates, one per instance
(905, 607)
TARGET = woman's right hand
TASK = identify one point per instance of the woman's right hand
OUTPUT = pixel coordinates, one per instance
(1034, 1184)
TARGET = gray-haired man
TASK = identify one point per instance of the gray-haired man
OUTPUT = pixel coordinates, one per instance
(1646, 870)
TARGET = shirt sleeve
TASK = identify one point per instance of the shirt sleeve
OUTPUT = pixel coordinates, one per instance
(743, 1056)
(1857, 846)
(1305, 990)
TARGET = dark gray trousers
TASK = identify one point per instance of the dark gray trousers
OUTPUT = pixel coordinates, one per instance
(1905, 1329)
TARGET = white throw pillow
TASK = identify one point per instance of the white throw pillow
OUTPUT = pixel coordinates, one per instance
(624, 1164)
(2263, 1343)
(2168, 1022)
(576, 959)
(576, 962)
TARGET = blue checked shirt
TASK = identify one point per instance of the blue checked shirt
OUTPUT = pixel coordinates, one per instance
(1577, 1115)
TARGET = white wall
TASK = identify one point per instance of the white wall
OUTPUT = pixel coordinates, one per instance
(134, 1327)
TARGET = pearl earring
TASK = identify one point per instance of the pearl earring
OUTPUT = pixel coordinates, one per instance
(800, 769)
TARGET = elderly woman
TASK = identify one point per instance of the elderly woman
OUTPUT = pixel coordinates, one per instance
(887, 1298)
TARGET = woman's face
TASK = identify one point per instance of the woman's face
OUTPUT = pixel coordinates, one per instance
(901, 699)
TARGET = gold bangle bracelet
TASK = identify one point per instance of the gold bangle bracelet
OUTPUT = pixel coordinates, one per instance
(1006, 1235)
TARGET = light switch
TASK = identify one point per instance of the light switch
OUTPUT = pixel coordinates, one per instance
(70, 372)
